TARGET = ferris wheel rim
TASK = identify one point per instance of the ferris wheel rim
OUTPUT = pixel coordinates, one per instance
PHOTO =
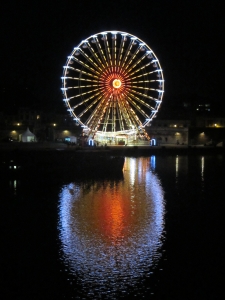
(122, 33)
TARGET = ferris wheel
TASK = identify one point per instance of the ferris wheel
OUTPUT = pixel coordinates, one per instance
(112, 85)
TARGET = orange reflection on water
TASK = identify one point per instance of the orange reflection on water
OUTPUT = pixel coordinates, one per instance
(114, 215)
(107, 213)
(111, 230)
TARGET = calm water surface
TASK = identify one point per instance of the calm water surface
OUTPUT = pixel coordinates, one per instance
(154, 233)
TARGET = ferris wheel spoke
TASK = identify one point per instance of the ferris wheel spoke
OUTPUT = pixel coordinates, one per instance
(132, 59)
(101, 52)
(135, 98)
(81, 86)
(159, 71)
(109, 120)
(121, 50)
(81, 72)
(126, 55)
(83, 94)
(146, 88)
(135, 63)
(114, 115)
(89, 107)
(145, 96)
(148, 81)
(133, 118)
(85, 65)
(140, 69)
(95, 54)
(79, 78)
(124, 112)
(96, 115)
(86, 100)
(93, 120)
(91, 60)
(127, 113)
(106, 120)
(137, 107)
(120, 117)
(114, 50)
(108, 54)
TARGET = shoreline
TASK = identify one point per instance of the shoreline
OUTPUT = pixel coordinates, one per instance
(59, 161)
(113, 150)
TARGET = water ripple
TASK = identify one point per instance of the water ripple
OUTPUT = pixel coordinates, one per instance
(111, 232)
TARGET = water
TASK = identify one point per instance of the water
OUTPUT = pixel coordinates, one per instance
(154, 233)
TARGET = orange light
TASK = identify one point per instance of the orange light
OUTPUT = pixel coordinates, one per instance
(116, 83)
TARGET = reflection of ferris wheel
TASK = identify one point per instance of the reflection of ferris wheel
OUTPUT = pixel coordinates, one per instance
(112, 85)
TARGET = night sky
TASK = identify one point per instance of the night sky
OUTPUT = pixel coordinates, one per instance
(36, 38)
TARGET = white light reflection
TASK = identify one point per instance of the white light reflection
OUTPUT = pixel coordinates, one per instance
(131, 168)
(177, 165)
(111, 232)
(202, 167)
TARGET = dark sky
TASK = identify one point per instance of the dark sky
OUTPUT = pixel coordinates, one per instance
(186, 36)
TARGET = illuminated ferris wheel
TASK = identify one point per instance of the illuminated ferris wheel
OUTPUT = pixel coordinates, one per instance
(112, 85)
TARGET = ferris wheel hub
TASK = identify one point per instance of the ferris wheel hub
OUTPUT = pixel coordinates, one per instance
(116, 83)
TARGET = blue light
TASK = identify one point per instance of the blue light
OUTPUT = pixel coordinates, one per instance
(153, 158)
(91, 142)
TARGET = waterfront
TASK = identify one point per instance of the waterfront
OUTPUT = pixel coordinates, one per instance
(154, 232)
